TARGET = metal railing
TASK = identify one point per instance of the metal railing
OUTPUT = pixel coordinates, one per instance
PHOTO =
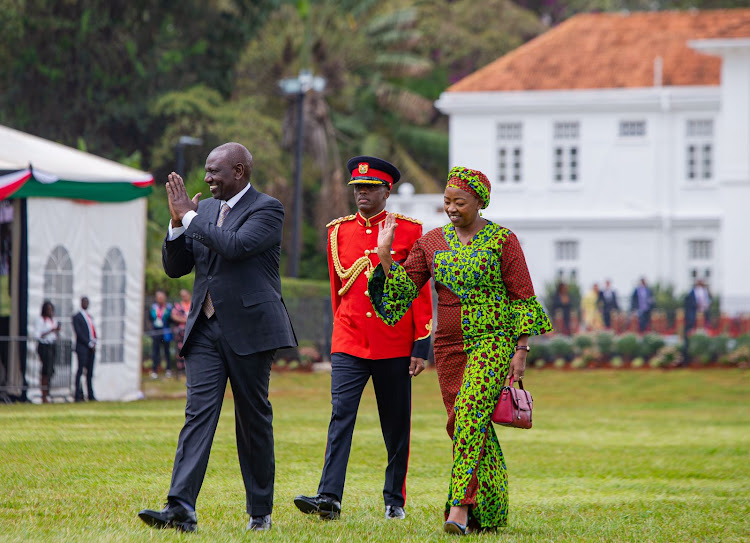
(23, 381)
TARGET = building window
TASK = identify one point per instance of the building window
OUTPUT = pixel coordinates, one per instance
(566, 260)
(58, 287)
(700, 260)
(632, 129)
(112, 329)
(699, 152)
(566, 152)
(509, 153)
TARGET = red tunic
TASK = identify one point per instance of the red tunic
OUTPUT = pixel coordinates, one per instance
(352, 254)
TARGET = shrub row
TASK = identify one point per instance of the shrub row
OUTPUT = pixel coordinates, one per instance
(605, 349)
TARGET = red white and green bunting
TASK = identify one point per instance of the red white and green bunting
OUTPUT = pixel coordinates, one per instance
(32, 183)
(34, 167)
(10, 182)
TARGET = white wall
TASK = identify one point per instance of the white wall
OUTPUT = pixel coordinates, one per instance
(633, 210)
(88, 231)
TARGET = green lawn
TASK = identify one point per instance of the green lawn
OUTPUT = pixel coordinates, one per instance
(613, 456)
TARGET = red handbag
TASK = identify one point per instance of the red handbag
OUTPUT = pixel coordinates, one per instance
(514, 407)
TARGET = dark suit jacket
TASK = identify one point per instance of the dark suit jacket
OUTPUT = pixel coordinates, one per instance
(82, 331)
(239, 264)
(691, 309)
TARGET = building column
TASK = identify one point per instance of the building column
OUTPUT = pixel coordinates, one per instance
(733, 169)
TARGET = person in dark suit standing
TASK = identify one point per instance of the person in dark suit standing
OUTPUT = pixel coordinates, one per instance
(608, 303)
(697, 302)
(642, 302)
(236, 323)
(83, 326)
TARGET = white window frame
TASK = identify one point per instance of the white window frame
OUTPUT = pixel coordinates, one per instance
(700, 259)
(58, 287)
(700, 151)
(114, 298)
(566, 153)
(509, 154)
(567, 255)
(632, 128)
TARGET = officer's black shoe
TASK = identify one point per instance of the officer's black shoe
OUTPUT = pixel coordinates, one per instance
(394, 512)
(328, 507)
(172, 516)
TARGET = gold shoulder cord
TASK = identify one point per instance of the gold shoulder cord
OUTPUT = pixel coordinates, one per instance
(347, 276)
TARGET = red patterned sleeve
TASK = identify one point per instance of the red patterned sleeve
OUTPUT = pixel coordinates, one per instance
(527, 313)
(515, 271)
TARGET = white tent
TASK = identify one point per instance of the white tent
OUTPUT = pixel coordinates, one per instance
(78, 229)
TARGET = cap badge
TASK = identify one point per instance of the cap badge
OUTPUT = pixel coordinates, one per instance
(363, 167)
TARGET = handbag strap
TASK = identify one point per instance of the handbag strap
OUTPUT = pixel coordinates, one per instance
(520, 383)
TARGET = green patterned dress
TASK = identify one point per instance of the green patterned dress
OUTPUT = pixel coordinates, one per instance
(485, 302)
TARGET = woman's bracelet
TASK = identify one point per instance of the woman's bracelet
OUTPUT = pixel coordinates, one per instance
(523, 348)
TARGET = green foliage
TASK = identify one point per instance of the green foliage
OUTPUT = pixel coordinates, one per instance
(650, 345)
(583, 341)
(560, 348)
(605, 341)
(700, 348)
(586, 482)
(89, 70)
(465, 35)
(304, 288)
(541, 350)
(666, 300)
(578, 363)
(627, 346)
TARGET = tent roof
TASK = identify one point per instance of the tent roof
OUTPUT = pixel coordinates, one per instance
(64, 172)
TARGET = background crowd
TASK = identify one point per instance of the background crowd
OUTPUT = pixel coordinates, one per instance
(647, 309)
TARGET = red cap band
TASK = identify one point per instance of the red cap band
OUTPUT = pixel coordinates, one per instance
(365, 174)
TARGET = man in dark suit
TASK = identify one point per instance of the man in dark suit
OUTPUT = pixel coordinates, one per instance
(697, 302)
(608, 303)
(237, 320)
(83, 325)
(642, 302)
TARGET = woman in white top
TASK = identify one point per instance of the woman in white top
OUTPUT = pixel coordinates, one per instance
(46, 334)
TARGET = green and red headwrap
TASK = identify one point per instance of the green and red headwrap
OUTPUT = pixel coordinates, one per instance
(471, 181)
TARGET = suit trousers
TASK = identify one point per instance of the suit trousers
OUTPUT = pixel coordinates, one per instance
(210, 361)
(392, 383)
(85, 361)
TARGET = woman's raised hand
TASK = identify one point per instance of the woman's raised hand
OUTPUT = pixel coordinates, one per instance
(387, 232)
(385, 241)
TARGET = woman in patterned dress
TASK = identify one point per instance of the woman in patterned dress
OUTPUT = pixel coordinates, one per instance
(486, 312)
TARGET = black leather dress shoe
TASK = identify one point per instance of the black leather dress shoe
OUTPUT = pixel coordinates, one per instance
(394, 512)
(328, 507)
(172, 516)
(259, 524)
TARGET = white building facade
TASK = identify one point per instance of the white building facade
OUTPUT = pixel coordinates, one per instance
(616, 184)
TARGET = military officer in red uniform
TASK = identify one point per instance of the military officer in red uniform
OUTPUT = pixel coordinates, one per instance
(363, 346)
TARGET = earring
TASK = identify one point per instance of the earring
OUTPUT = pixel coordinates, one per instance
(480, 212)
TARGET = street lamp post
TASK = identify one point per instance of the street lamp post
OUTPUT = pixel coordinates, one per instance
(298, 87)
(180, 152)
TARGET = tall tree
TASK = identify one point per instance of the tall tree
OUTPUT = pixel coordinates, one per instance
(364, 50)
(89, 68)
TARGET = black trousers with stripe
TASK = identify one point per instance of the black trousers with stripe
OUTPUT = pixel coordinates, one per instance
(392, 383)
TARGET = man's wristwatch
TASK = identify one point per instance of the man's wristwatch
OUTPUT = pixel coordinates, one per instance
(523, 348)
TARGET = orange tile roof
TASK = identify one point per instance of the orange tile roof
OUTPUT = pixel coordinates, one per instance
(613, 50)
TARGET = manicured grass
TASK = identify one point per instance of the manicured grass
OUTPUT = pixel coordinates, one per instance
(613, 456)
